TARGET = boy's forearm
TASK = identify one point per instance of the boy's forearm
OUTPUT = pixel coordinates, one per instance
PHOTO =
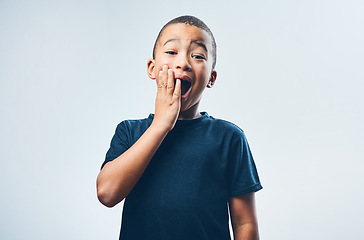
(118, 177)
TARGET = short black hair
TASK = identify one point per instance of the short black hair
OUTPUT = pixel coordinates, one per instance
(193, 21)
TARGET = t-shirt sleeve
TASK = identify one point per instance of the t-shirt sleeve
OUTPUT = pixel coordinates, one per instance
(243, 172)
(119, 143)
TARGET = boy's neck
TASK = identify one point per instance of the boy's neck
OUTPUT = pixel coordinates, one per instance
(189, 114)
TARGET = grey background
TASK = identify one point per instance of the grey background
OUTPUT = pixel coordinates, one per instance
(290, 73)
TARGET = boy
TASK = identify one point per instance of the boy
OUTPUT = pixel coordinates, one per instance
(179, 169)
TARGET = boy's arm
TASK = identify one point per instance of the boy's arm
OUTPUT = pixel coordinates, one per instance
(243, 217)
(118, 177)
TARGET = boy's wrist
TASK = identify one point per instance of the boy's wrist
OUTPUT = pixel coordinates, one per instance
(161, 128)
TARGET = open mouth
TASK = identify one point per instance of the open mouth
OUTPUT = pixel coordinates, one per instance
(185, 87)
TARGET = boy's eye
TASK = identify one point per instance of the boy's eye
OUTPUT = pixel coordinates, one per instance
(198, 57)
(171, 52)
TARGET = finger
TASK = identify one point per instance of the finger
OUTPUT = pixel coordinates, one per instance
(159, 79)
(163, 78)
(170, 81)
(162, 82)
(177, 90)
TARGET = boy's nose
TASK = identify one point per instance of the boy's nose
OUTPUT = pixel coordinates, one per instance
(182, 63)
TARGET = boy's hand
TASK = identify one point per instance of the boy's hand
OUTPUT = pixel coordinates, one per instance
(168, 101)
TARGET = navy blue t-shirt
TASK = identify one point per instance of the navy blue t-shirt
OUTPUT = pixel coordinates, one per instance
(184, 191)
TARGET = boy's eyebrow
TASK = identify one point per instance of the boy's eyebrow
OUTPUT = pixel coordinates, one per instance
(170, 40)
(199, 43)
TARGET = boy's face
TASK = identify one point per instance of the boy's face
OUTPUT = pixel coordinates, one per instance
(187, 50)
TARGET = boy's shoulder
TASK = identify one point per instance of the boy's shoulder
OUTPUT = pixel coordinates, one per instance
(133, 127)
(225, 124)
(137, 121)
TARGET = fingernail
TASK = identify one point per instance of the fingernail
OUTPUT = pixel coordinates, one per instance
(165, 67)
(160, 73)
(169, 71)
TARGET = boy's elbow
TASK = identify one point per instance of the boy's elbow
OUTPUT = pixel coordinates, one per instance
(106, 195)
(106, 202)
(106, 198)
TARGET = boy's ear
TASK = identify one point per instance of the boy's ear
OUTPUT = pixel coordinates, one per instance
(151, 67)
(212, 79)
